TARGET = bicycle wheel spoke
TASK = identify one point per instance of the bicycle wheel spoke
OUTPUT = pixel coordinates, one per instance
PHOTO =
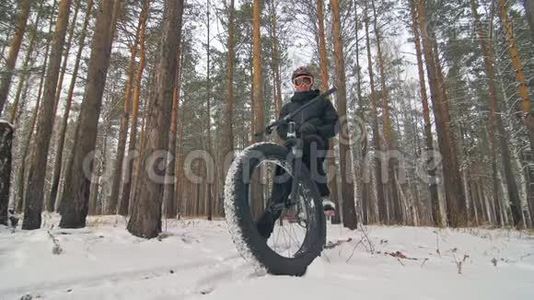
(294, 236)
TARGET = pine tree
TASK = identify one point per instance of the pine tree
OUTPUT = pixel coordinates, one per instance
(146, 217)
(227, 141)
(35, 191)
(169, 195)
(347, 188)
(25, 69)
(379, 186)
(75, 198)
(523, 90)
(392, 198)
(454, 193)
(367, 207)
(14, 47)
(25, 149)
(257, 83)
(433, 186)
(323, 63)
(129, 179)
(258, 104)
(123, 131)
(58, 163)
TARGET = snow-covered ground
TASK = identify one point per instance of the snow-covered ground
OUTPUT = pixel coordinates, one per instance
(196, 259)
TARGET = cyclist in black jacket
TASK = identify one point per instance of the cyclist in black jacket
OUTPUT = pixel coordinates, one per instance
(315, 125)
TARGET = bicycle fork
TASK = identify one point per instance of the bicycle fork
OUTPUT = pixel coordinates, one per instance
(296, 150)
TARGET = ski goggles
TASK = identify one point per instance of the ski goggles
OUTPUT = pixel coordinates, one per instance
(303, 80)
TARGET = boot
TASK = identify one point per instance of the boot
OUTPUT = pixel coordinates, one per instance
(329, 207)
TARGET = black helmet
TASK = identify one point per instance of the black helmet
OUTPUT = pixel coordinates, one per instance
(302, 70)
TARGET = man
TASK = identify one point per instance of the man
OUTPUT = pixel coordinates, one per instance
(315, 125)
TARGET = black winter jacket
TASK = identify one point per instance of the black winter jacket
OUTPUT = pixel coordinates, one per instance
(320, 114)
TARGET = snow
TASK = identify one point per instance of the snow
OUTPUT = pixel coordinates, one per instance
(196, 259)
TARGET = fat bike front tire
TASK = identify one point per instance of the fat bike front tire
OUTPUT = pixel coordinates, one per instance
(242, 224)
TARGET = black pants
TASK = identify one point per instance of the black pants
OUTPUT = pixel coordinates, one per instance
(313, 155)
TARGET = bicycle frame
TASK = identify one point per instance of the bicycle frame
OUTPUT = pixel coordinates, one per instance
(296, 150)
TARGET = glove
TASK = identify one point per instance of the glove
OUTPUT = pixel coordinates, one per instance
(307, 129)
(281, 129)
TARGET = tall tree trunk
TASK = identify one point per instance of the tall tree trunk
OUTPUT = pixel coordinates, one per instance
(169, 200)
(21, 176)
(379, 185)
(51, 200)
(471, 211)
(128, 183)
(323, 56)
(485, 205)
(25, 148)
(433, 185)
(227, 141)
(456, 209)
(347, 187)
(475, 200)
(527, 117)
(389, 144)
(257, 71)
(368, 214)
(6, 141)
(275, 60)
(125, 117)
(56, 175)
(146, 216)
(180, 188)
(25, 74)
(517, 65)
(73, 25)
(209, 183)
(515, 56)
(144, 123)
(22, 94)
(14, 47)
(257, 100)
(75, 198)
(496, 125)
(523, 160)
(252, 130)
(323, 62)
(93, 189)
(45, 121)
(95, 201)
